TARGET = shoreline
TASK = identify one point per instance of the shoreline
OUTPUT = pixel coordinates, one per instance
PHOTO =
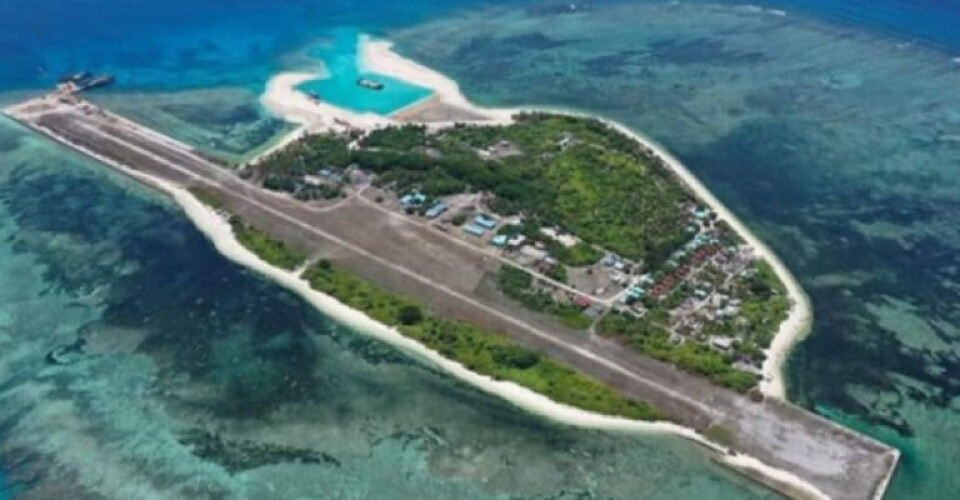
(218, 230)
(282, 99)
(377, 56)
(206, 220)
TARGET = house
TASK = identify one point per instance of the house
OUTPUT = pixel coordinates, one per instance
(484, 221)
(723, 343)
(516, 240)
(730, 311)
(582, 302)
(435, 211)
(635, 293)
(474, 230)
(499, 240)
(413, 199)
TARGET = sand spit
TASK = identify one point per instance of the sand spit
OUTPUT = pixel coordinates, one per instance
(215, 227)
(283, 99)
(377, 56)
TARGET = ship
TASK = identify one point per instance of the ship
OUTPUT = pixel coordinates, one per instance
(84, 80)
(97, 81)
(369, 84)
(75, 77)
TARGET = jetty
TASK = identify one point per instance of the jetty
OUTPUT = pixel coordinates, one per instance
(785, 444)
(84, 80)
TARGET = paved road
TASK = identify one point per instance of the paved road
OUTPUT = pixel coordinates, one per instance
(420, 261)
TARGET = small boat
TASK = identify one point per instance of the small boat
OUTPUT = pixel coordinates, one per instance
(98, 81)
(75, 77)
(369, 84)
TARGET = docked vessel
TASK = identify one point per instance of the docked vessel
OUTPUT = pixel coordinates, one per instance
(370, 84)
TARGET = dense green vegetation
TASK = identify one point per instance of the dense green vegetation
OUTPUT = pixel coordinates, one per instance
(405, 138)
(482, 351)
(518, 285)
(654, 341)
(580, 176)
(581, 254)
(573, 172)
(271, 250)
(766, 305)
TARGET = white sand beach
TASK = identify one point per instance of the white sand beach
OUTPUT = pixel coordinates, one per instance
(283, 100)
(219, 231)
(216, 227)
(377, 56)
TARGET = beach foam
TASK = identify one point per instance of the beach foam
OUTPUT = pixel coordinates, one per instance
(216, 227)
(219, 231)
(377, 56)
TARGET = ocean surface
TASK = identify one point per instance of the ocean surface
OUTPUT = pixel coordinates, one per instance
(832, 127)
(200, 379)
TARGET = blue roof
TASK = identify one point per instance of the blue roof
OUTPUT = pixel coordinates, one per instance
(413, 199)
(474, 230)
(500, 240)
(436, 210)
(484, 221)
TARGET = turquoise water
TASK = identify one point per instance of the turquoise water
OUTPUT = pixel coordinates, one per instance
(199, 379)
(340, 57)
(837, 142)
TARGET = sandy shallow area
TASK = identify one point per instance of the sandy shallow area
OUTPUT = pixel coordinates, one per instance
(215, 227)
(377, 56)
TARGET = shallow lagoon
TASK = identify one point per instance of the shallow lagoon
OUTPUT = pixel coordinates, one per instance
(339, 54)
(839, 146)
(201, 379)
(852, 184)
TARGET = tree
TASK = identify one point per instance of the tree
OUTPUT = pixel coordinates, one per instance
(410, 315)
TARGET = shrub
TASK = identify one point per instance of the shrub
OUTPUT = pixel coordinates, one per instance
(410, 315)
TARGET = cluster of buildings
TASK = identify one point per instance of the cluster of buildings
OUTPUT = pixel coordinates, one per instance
(695, 286)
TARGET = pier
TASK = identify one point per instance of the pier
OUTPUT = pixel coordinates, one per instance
(399, 255)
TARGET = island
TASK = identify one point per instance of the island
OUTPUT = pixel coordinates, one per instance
(555, 259)
(592, 230)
